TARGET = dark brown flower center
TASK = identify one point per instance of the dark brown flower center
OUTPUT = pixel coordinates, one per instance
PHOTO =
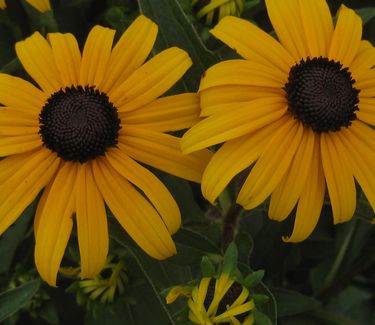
(321, 95)
(228, 299)
(79, 124)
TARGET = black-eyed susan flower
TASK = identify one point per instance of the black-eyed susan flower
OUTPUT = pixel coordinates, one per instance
(299, 109)
(214, 10)
(217, 301)
(40, 5)
(82, 137)
(3, 5)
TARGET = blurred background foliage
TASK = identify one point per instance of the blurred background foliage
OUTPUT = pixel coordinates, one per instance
(328, 279)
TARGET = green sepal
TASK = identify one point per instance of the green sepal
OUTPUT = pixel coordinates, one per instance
(230, 259)
(261, 319)
(260, 299)
(207, 267)
(253, 279)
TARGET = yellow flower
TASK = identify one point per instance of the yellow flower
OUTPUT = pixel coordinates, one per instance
(3, 5)
(298, 109)
(83, 137)
(222, 300)
(40, 5)
(214, 10)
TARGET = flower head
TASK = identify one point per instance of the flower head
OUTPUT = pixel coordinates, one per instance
(40, 5)
(3, 5)
(299, 110)
(82, 136)
(216, 301)
(214, 10)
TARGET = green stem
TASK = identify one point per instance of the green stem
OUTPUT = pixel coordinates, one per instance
(340, 256)
(230, 223)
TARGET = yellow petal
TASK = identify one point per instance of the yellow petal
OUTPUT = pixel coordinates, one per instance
(366, 111)
(150, 185)
(95, 56)
(311, 200)
(362, 162)
(67, 57)
(21, 187)
(37, 58)
(17, 130)
(133, 211)
(365, 81)
(233, 157)
(287, 21)
(346, 37)
(252, 43)
(236, 122)
(317, 26)
(130, 51)
(163, 152)
(287, 193)
(242, 72)
(272, 165)
(92, 225)
(41, 204)
(339, 178)
(10, 145)
(41, 5)
(55, 224)
(21, 94)
(220, 99)
(10, 116)
(166, 114)
(151, 80)
(364, 59)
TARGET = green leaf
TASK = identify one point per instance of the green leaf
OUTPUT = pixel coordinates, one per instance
(13, 300)
(176, 30)
(230, 259)
(207, 267)
(14, 236)
(366, 14)
(291, 302)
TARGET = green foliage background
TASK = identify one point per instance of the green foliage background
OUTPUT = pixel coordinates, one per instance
(328, 279)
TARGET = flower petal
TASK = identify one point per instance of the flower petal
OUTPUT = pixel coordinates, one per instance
(272, 165)
(163, 152)
(339, 178)
(95, 56)
(130, 51)
(362, 161)
(10, 116)
(317, 26)
(366, 111)
(67, 57)
(21, 184)
(37, 58)
(242, 72)
(21, 94)
(10, 145)
(346, 37)
(150, 185)
(233, 157)
(41, 5)
(55, 224)
(166, 114)
(252, 43)
(133, 211)
(365, 81)
(151, 80)
(287, 193)
(236, 122)
(364, 59)
(92, 225)
(311, 200)
(286, 19)
(219, 99)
